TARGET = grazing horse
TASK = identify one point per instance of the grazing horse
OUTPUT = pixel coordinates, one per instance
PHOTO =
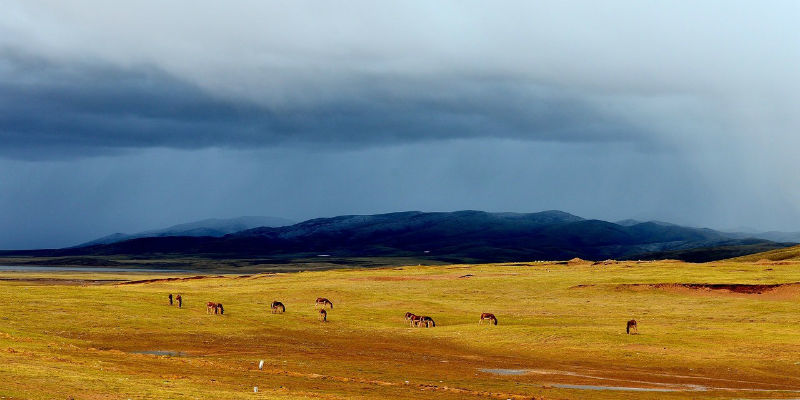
(277, 307)
(170, 298)
(180, 300)
(428, 321)
(323, 315)
(632, 326)
(214, 308)
(492, 319)
(323, 301)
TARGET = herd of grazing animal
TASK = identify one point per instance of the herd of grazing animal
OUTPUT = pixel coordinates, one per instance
(214, 308)
(276, 306)
(414, 320)
(178, 298)
(420, 320)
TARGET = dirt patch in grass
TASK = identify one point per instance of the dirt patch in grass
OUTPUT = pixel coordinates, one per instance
(777, 290)
(725, 287)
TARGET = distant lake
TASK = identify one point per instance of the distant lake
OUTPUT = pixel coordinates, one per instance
(87, 269)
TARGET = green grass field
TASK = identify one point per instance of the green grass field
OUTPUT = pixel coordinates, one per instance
(63, 335)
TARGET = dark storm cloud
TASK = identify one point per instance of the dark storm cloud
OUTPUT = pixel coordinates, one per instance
(75, 109)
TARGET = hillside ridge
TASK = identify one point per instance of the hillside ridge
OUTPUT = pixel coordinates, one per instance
(459, 236)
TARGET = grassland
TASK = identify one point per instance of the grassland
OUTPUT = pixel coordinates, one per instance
(78, 335)
(784, 254)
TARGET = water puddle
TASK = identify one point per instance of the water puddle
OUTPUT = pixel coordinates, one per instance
(502, 371)
(620, 388)
(647, 386)
(167, 353)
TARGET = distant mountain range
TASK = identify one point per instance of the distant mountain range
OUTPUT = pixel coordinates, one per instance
(744, 233)
(462, 236)
(214, 227)
(774, 236)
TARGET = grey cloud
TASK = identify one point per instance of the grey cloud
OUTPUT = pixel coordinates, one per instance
(77, 109)
(360, 74)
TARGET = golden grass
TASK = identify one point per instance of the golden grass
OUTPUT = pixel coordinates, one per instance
(563, 324)
(784, 254)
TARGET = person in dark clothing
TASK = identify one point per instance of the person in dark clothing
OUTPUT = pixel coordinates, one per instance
(180, 301)
(170, 299)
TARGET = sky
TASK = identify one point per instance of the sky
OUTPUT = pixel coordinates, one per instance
(126, 117)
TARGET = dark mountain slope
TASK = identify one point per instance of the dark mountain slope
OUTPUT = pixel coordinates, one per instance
(452, 236)
(214, 227)
(742, 249)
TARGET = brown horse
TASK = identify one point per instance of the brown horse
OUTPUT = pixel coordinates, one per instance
(492, 319)
(214, 308)
(414, 319)
(428, 321)
(323, 315)
(632, 326)
(409, 315)
(323, 301)
(278, 307)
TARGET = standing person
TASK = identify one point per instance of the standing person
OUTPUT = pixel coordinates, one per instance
(170, 299)
(180, 301)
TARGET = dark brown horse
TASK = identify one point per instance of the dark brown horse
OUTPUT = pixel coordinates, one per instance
(414, 319)
(323, 302)
(323, 315)
(409, 315)
(632, 326)
(214, 308)
(428, 321)
(277, 307)
(488, 316)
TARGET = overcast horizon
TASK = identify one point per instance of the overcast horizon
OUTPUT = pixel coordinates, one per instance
(124, 118)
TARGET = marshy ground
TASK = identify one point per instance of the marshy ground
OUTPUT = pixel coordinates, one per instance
(715, 330)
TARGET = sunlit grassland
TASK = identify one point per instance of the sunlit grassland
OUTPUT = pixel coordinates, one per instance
(59, 340)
